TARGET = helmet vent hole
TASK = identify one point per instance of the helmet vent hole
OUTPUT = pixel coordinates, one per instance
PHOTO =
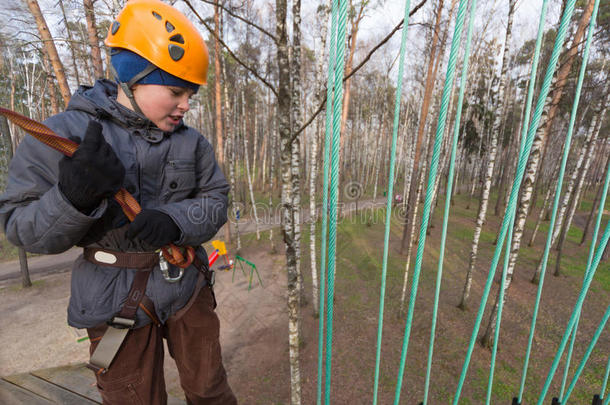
(157, 15)
(115, 27)
(175, 52)
(177, 38)
(169, 27)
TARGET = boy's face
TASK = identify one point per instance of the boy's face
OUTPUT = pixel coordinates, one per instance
(163, 105)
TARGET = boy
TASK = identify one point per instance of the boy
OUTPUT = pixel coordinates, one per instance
(131, 135)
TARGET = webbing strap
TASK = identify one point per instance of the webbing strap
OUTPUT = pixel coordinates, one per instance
(120, 325)
(107, 349)
(137, 291)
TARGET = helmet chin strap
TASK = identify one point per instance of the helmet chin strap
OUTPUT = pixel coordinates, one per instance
(127, 86)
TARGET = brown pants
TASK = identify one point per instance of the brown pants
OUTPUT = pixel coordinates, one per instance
(136, 374)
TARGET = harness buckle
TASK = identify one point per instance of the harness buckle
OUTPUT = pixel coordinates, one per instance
(164, 267)
(121, 323)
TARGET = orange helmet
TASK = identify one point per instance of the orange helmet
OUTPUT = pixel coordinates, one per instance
(162, 35)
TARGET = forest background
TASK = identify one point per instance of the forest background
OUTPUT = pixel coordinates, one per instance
(263, 111)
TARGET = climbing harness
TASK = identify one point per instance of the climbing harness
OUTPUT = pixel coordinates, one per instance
(120, 324)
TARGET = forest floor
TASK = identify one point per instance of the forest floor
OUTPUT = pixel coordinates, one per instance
(254, 331)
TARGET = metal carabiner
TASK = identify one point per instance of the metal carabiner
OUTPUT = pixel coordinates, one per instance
(164, 267)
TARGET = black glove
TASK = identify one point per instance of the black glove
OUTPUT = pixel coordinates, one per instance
(154, 227)
(113, 218)
(94, 171)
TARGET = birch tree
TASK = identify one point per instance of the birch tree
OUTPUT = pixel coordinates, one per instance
(284, 103)
(491, 158)
(322, 17)
(594, 127)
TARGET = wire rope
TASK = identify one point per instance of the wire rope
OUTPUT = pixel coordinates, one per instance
(561, 33)
(386, 239)
(449, 191)
(329, 110)
(334, 183)
(440, 129)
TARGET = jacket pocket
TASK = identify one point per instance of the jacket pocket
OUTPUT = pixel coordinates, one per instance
(179, 180)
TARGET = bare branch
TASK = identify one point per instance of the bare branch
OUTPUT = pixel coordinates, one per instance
(232, 14)
(248, 68)
(353, 72)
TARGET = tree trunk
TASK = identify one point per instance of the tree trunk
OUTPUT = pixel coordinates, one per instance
(231, 134)
(595, 203)
(491, 159)
(94, 41)
(353, 37)
(322, 17)
(273, 134)
(429, 86)
(284, 103)
(49, 45)
(596, 123)
(545, 204)
(247, 162)
(412, 211)
(217, 95)
(296, 123)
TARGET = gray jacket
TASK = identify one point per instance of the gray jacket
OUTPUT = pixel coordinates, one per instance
(173, 172)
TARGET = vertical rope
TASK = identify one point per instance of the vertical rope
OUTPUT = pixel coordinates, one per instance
(566, 152)
(329, 110)
(607, 374)
(530, 94)
(386, 240)
(440, 129)
(569, 9)
(577, 307)
(456, 131)
(334, 183)
(581, 366)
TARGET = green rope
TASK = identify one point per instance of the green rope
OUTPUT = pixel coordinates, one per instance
(403, 45)
(581, 77)
(440, 129)
(516, 185)
(449, 191)
(589, 259)
(334, 184)
(501, 294)
(329, 103)
(581, 366)
(577, 307)
(530, 94)
(602, 392)
(566, 152)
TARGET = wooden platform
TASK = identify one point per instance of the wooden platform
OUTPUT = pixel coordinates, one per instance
(69, 385)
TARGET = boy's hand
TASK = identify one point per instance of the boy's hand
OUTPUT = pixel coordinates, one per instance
(94, 171)
(154, 227)
(113, 218)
